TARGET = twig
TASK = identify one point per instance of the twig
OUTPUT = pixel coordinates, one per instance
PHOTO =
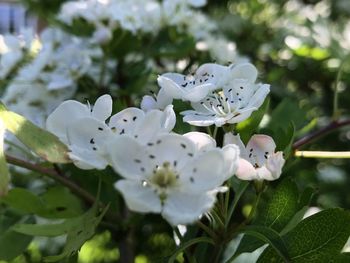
(55, 175)
(316, 134)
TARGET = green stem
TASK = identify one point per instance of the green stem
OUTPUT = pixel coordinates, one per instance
(215, 132)
(335, 115)
(207, 230)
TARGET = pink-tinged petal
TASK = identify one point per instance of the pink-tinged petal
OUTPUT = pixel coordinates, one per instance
(129, 158)
(264, 174)
(202, 140)
(186, 208)
(204, 172)
(102, 109)
(274, 164)
(125, 121)
(229, 138)
(139, 198)
(260, 147)
(231, 158)
(246, 171)
(244, 71)
(65, 114)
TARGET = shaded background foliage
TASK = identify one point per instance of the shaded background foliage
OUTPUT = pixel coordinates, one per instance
(298, 47)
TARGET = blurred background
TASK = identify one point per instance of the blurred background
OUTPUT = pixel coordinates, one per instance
(300, 47)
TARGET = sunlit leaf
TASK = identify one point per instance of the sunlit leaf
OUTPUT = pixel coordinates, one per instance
(43, 143)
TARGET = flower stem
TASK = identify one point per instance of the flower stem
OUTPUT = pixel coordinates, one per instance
(322, 154)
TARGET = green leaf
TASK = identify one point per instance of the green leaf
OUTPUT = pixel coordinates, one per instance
(249, 126)
(24, 201)
(286, 112)
(303, 206)
(270, 236)
(56, 202)
(12, 244)
(4, 171)
(277, 211)
(317, 239)
(78, 230)
(79, 233)
(43, 143)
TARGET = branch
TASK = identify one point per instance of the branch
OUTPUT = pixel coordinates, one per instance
(55, 175)
(316, 134)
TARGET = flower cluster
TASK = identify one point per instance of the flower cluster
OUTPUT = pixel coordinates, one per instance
(164, 172)
(45, 72)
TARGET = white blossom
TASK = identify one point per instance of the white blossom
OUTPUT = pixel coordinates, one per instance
(171, 175)
(258, 160)
(233, 101)
(87, 131)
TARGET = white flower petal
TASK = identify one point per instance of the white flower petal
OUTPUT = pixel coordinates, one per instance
(148, 103)
(86, 159)
(88, 133)
(139, 198)
(169, 118)
(125, 121)
(185, 208)
(202, 140)
(242, 115)
(129, 158)
(229, 138)
(170, 148)
(102, 109)
(203, 173)
(65, 114)
(231, 157)
(170, 85)
(244, 71)
(259, 96)
(196, 119)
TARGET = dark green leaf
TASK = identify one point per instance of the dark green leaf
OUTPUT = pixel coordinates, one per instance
(278, 210)
(12, 244)
(317, 239)
(270, 236)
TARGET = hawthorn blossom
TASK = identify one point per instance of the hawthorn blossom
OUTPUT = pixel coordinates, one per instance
(258, 160)
(176, 176)
(84, 129)
(188, 88)
(232, 102)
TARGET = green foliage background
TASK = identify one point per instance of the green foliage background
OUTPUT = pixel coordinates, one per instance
(302, 78)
